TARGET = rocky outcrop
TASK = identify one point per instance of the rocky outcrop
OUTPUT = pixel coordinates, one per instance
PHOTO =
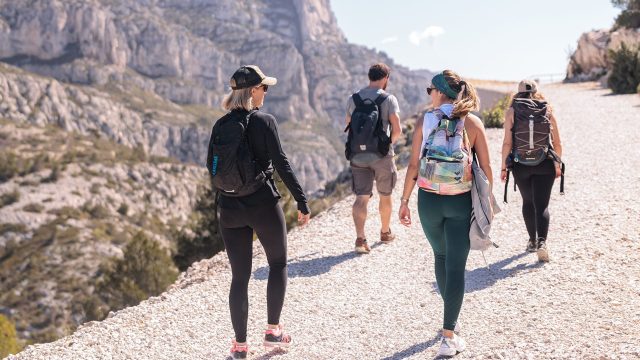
(590, 60)
(87, 110)
(184, 51)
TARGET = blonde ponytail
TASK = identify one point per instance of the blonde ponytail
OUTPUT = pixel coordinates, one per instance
(468, 101)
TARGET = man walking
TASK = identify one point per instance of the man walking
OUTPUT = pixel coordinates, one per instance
(374, 125)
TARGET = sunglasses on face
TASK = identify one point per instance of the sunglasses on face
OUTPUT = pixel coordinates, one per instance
(429, 90)
(264, 87)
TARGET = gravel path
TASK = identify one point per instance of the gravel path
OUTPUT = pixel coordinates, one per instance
(585, 304)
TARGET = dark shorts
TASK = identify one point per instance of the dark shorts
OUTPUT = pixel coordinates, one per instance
(383, 171)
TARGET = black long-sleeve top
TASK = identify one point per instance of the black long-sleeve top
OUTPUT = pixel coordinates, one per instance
(262, 134)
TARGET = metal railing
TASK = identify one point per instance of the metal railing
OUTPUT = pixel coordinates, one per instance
(547, 78)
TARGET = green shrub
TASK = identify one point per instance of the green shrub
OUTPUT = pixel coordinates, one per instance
(53, 176)
(9, 198)
(625, 70)
(8, 337)
(33, 207)
(494, 117)
(12, 165)
(97, 211)
(95, 188)
(123, 209)
(14, 228)
(144, 270)
(288, 203)
(8, 166)
(67, 212)
(205, 239)
(630, 15)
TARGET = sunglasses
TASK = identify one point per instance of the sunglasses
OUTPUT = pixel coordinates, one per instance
(265, 87)
(430, 89)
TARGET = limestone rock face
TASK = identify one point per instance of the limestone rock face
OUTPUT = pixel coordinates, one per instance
(184, 51)
(590, 60)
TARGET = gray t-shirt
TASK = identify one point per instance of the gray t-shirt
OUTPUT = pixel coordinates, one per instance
(388, 107)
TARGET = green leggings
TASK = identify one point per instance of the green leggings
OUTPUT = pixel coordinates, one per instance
(446, 221)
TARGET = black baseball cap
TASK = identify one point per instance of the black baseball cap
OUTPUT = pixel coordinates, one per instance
(248, 76)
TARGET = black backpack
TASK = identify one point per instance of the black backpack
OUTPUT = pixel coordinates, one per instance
(531, 138)
(365, 129)
(531, 132)
(230, 160)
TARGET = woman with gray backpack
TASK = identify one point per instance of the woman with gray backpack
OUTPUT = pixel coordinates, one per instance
(444, 144)
(532, 150)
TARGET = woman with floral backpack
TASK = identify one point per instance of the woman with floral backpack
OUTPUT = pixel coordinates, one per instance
(441, 158)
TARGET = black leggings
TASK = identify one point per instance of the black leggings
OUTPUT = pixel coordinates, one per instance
(535, 183)
(237, 227)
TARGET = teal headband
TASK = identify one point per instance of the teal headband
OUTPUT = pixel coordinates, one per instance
(441, 84)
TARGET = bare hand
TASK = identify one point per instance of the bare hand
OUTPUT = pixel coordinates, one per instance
(558, 171)
(503, 176)
(405, 215)
(303, 219)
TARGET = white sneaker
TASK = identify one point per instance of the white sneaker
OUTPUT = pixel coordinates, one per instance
(543, 250)
(451, 346)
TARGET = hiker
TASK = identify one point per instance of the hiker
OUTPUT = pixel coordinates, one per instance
(249, 200)
(373, 123)
(440, 164)
(532, 150)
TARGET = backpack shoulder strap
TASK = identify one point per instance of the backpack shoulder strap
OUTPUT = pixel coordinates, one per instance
(381, 98)
(357, 99)
(250, 114)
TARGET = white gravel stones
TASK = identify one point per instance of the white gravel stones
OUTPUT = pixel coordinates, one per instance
(584, 304)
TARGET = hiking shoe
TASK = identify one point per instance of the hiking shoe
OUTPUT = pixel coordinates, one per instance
(543, 251)
(457, 328)
(239, 350)
(451, 346)
(387, 237)
(361, 246)
(276, 338)
(532, 245)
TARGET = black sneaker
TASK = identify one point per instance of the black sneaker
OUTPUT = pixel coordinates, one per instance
(532, 245)
(276, 338)
(543, 252)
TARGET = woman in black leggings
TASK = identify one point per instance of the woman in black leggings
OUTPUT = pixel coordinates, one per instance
(259, 212)
(534, 182)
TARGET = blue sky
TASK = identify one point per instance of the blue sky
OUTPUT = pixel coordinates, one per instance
(490, 39)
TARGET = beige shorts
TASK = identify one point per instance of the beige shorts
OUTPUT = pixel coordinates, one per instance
(383, 171)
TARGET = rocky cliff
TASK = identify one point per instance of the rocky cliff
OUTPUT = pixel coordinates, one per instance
(590, 59)
(182, 52)
(68, 203)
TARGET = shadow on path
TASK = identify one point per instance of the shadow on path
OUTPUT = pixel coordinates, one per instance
(271, 354)
(485, 277)
(298, 267)
(415, 349)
